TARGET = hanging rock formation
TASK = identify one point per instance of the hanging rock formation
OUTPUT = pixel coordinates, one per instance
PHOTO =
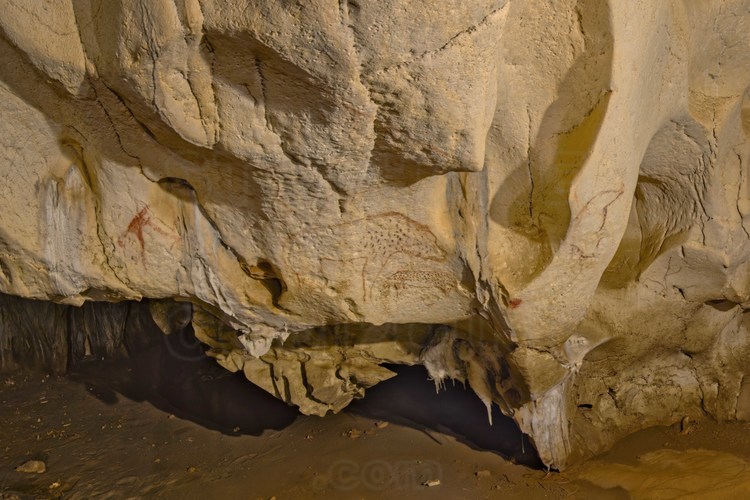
(547, 200)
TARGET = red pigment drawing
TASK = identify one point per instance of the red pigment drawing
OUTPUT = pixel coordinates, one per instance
(136, 227)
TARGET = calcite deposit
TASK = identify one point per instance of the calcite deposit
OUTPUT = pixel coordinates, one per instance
(547, 200)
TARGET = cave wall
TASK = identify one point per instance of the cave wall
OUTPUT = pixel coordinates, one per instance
(545, 199)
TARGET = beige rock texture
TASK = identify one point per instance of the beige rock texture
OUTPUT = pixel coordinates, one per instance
(548, 200)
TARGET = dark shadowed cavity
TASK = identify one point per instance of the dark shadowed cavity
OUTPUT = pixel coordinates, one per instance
(173, 373)
(410, 399)
(116, 350)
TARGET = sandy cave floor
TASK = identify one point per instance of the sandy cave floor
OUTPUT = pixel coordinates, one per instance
(111, 431)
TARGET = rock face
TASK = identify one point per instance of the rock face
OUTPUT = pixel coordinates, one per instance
(548, 200)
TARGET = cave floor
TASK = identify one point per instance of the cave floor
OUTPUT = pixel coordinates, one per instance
(99, 440)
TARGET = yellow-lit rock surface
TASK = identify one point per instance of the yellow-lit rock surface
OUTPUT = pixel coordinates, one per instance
(547, 200)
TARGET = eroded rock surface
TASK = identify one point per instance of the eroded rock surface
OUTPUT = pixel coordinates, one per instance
(548, 200)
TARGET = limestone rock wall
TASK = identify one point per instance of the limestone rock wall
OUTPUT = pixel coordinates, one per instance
(545, 199)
